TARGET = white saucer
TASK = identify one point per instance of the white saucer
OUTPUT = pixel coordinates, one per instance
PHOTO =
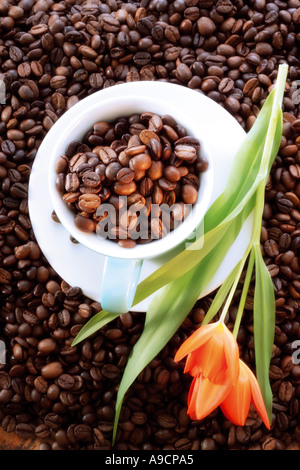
(80, 266)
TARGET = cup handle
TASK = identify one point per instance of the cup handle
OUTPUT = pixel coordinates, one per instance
(119, 283)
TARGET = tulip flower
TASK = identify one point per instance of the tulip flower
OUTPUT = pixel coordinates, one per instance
(211, 351)
(246, 391)
(220, 377)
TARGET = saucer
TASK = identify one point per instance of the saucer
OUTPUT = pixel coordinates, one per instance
(80, 266)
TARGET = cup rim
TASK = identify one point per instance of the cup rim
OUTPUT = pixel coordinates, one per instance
(129, 94)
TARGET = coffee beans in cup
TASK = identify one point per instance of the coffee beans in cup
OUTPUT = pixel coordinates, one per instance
(132, 180)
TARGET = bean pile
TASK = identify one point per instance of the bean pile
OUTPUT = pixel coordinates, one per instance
(53, 54)
(141, 164)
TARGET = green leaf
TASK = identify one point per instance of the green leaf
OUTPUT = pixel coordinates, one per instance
(94, 324)
(169, 308)
(264, 326)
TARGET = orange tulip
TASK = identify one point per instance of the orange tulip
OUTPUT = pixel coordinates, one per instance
(211, 351)
(220, 377)
(246, 391)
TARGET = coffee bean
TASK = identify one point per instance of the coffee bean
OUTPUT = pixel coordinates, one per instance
(125, 175)
(77, 160)
(5, 381)
(285, 392)
(24, 430)
(72, 182)
(205, 26)
(52, 370)
(91, 179)
(172, 174)
(185, 152)
(9, 423)
(271, 248)
(66, 381)
(140, 162)
(8, 147)
(166, 421)
(112, 170)
(146, 187)
(189, 194)
(89, 202)
(46, 346)
(41, 384)
(61, 164)
(107, 155)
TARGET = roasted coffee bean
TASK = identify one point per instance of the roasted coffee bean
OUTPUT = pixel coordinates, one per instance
(9, 423)
(189, 194)
(112, 170)
(52, 370)
(89, 202)
(69, 198)
(136, 198)
(185, 152)
(24, 430)
(61, 164)
(77, 160)
(107, 155)
(166, 185)
(46, 346)
(125, 175)
(5, 381)
(140, 162)
(124, 189)
(66, 381)
(146, 187)
(127, 243)
(205, 26)
(72, 182)
(41, 384)
(91, 179)
(172, 174)
(155, 148)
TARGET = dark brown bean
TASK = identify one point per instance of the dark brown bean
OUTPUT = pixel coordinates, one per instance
(52, 370)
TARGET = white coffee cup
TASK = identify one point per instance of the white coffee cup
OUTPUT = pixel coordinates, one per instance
(123, 265)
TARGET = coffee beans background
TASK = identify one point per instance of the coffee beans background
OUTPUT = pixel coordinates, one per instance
(54, 54)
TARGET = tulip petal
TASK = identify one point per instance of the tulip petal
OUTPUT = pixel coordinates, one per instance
(237, 403)
(257, 398)
(231, 351)
(192, 399)
(192, 365)
(197, 339)
(211, 357)
(205, 396)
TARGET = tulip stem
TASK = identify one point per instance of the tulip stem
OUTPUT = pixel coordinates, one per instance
(244, 294)
(232, 290)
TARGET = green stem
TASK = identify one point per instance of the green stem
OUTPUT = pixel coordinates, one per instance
(244, 294)
(233, 289)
